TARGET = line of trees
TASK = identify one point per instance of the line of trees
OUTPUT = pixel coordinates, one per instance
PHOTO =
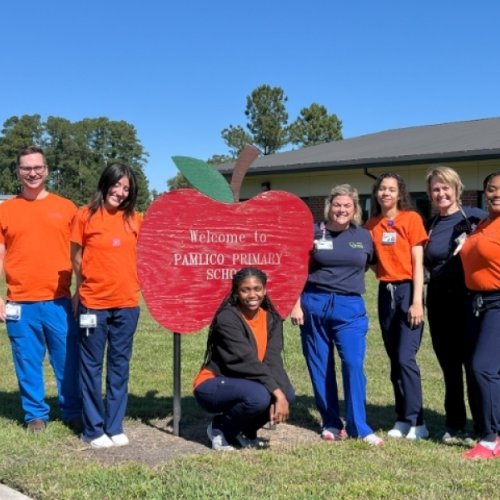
(77, 153)
(267, 128)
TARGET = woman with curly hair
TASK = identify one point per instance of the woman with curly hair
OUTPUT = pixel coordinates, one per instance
(399, 237)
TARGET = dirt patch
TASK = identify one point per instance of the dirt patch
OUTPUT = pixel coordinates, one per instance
(154, 443)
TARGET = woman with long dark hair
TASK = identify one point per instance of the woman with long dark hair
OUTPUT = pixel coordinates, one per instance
(103, 251)
(399, 236)
(242, 379)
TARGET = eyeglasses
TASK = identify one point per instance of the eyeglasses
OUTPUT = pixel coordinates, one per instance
(39, 169)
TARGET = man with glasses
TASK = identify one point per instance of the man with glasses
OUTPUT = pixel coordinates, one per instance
(35, 255)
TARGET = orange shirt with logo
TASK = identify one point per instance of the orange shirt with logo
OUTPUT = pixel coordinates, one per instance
(481, 257)
(36, 236)
(393, 240)
(109, 258)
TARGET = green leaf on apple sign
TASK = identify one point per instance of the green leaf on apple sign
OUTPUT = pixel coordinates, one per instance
(204, 178)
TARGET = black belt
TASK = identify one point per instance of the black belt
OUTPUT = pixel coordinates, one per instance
(480, 300)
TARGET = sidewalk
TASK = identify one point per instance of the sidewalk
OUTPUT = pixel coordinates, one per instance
(7, 493)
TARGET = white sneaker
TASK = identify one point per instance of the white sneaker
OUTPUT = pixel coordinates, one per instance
(418, 432)
(219, 441)
(399, 430)
(373, 440)
(120, 439)
(98, 443)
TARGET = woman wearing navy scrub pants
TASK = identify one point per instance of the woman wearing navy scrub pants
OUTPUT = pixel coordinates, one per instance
(481, 260)
(104, 255)
(399, 237)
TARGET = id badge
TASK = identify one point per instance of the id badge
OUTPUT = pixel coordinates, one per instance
(12, 311)
(460, 240)
(88, 320)
(323, 244)
(388, 238)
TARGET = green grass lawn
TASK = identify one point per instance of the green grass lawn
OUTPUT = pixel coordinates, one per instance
(43, 468)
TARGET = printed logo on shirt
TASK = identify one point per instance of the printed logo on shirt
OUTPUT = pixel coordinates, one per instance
(356, 244)
(116, 242)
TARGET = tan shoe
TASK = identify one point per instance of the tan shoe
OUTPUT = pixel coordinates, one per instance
(36, 425)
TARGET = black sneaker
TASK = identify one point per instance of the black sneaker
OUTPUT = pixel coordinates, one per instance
(75, 424)
(256, 443)
(457, 437)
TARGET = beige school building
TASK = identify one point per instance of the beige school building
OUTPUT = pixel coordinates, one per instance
(472, 148)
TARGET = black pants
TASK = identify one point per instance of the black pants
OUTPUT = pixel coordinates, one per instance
(241, 405)
(448, 318)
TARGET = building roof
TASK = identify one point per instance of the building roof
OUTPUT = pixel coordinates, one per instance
(457, 141)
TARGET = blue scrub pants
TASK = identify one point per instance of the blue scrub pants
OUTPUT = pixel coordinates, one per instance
(116, 328)
(330, 320)
(486, 365)
(402, 344)
(242, 405)
(47, 325)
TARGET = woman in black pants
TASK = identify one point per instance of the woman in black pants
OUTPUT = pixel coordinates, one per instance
(446, 297)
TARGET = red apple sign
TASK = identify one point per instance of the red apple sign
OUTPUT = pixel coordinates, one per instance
(191, 245)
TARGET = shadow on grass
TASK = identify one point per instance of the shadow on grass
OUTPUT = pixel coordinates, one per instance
(157, 412)
(10, 406)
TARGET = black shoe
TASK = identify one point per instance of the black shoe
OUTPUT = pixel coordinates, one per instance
(453, 437)
(75, 424)
(252, 443)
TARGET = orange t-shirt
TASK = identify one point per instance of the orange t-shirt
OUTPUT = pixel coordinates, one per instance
(393, 241)
(109, 260)
(37, 260)
(481, 257)
(258, 326)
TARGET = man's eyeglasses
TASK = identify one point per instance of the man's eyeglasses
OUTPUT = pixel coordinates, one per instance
(39, 169)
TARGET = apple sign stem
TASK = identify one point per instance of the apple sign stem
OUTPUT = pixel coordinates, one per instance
(177, 412)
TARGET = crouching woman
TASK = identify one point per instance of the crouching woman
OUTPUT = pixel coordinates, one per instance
(242, 379)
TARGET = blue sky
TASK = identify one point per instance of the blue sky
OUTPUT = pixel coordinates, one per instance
(180, 72)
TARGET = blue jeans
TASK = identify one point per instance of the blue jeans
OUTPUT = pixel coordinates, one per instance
(334, 320)
(47, 325)
(116, 328)
(243, 405)
(402, 343)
